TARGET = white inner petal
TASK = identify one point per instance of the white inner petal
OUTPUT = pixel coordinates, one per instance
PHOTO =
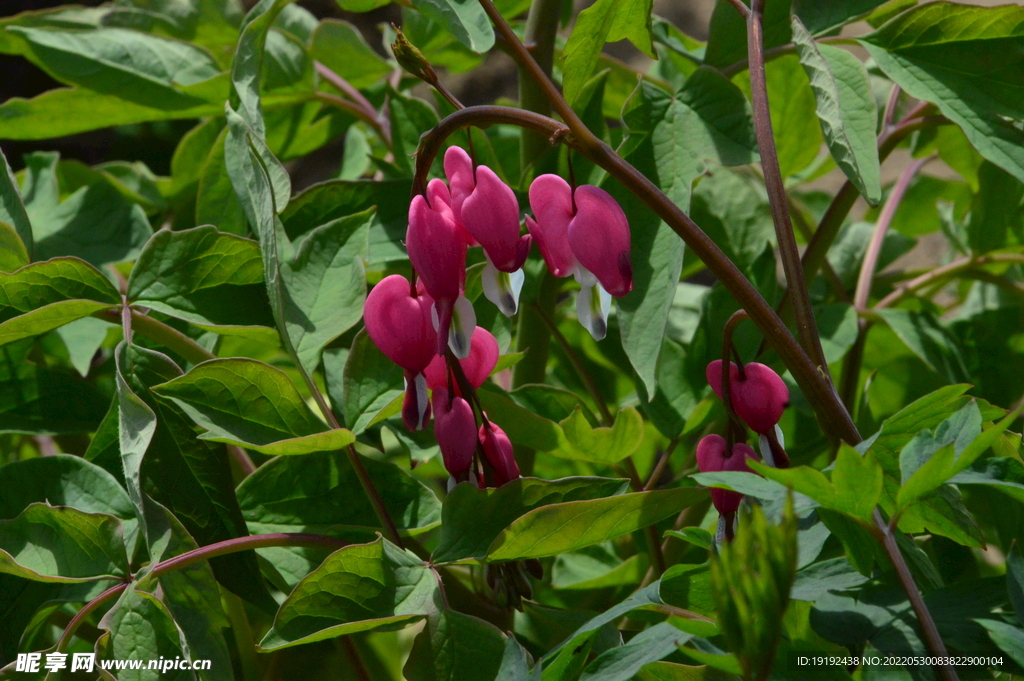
(463, 323)
(502, 288)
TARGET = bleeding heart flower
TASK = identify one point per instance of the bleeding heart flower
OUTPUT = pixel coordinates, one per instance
(456, 433)
(712, 458)
(498, 450)
(599, 239)
(483, 356)
(759, 398)
(399, 324)
(437, 251)
(551, 202)
(490, 213)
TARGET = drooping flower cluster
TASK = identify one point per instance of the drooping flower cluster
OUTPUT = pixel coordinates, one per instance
(581, 231)
(758, 396)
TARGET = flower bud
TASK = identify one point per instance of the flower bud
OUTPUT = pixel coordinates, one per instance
(455, 429)
(759, 398)
(712, 457)
(410, 58)
(599, 239)
(498, 450)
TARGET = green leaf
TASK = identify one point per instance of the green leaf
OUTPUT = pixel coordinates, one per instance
(38, 400)
(650, 645)
(12, 251)
(13, 215)
(679, 390)
(602, 445)
(339, 46)
(947, 461)
(727, 39)
(604, 21)
(315, 494)
(65, 480)
(370, 382)
(1009, 638)
(132, 65)
(472, 518)
(837, 325)
(930, 340)
(410, 118)
(57, 280)
(189, 476)
(62, 544)
(924, 413)
(1015, 581)
(326, 285)
(141, 629)
(846, 109)
(968, 61)
(821, 18)
(46, 115)
(1003, 473)
(136, 425)
(216, 200)
(515, 664)
(95, 223)
(455, 647)
(996, 211)
(47, 318)
(358, 588)
(814, 581)
(248, 63)
(857, 480)
(464, 19)
(522, 426)
(190, 594)
(251, 404)
(203, 276)
(567, 526)
(597, 567)
(334, 199)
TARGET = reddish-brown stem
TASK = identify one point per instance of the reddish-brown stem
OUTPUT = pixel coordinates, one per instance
(357, 111)
(660, 466)
(197, 555)
(939, 273)
(867, 270)
(806, 328)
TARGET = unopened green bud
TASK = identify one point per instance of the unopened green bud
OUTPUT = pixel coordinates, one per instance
(750, 580)
(411, 59)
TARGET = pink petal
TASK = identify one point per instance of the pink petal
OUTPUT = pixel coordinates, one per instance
(599, 238)
(491, 215)
(436, 250)
(399, 324)
(551, 202)
(458, 167)
(483, 357)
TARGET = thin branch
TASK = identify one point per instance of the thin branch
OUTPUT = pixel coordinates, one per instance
(780, 51)
(588, 380)
(867, 270)
(889, 118)
(806, 327)
(196, 555)
(740, 7)
(346, 87)
(161, 333)
(945, 271)
(349, 107)
(660, 466)
(931, 633)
